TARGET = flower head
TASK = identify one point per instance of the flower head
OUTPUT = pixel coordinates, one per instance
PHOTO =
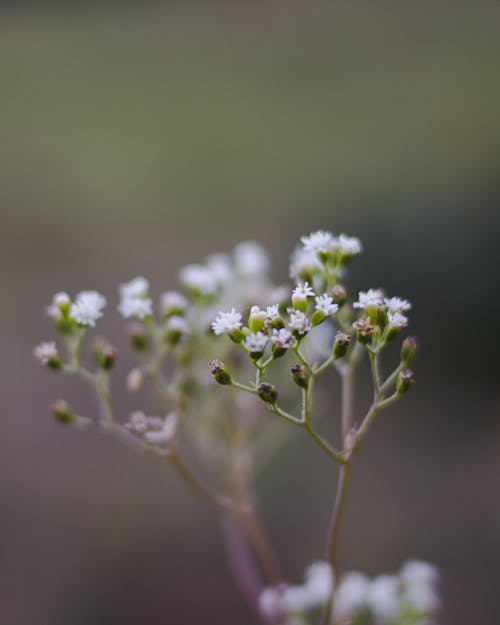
(349, 246)
(396, 304)
(303, 263)
(137, 287)
(199, 278)
(324, 303)
(318, 242)
(372, 297)
(299, 322)
(250, 259)
(172, 301)
(46, 352)
(226, 322)
(397, 320)
(136, 307)
(256, 342)
(282, 338)
(87, 308)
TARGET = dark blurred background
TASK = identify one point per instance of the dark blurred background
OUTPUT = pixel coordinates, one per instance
(136, 138)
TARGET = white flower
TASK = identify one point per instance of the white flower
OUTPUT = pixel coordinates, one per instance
(351, 595)
(325, 304)
(299, 322)
(319, 241)
(87, 308)
(256, 342)
(135, 307)
(178, 325)
(272, 313)
(271, 603)
(303, 262)
(220, 266)
(319, 581)
(372, 297)
(384, 599)
(137, 287)
(301, 292)
(165, 433)
(226, 322)
(418, 572)
(137, 422)
(198, 278)
(282, 338)
(46, 352)
(250, 259)
(349, 245)
(396, 304)
(422, 598)
(172, 301)
(397, 320)
(58, 301)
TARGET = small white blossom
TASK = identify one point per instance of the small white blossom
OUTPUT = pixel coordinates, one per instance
(177, 325)
(303, 262)
(87, 308)
(384, 598)
(272, 312)
(319, 581)
(199, 278)
(397, 320)
(418, 572)
(137, 287)
(349, 245)
(299, 322)
(250, 259)
(372, 297)
(317, 242)
(256, 342)
(282, 338)
(226, 322)
(271, 603)
(172, 300)
(396, 304)
(422, 598)
(58, 301)
(135, 307)
(302, 291)
(166, 431)
(324, 303)
(351, 595)
(220, 266)
(46, 352)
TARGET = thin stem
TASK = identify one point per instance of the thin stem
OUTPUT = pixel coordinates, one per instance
(391, 379)
(332, 549)
(285, 415)
(325, 446)
(347, 410)
(367, 422)
(242, 562)
(375, 373)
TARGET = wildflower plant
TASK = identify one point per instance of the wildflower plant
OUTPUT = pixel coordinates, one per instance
(267, 346)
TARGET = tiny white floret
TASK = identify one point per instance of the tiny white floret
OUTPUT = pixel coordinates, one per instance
(137, 287)
(318, 242)
(299, 322)
(45, 352)
(324, 303)
(226, 322)
(256, 342)
(135, 307)
(372, 297)
(397, 320)
(87, 308)
(396, 304)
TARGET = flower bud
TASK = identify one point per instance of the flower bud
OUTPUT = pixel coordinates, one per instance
(256, 319)
(104, 353)
(176, 328)
(364, 330)
(339, 295)
(47, 355)
(135, 380)
(408, 350)
(63, 413)
(341, 344)
(405, 380)
(138, 336)
(220, 372)
(317, 317)
(236, 335)
(299, 375)
(268, 393)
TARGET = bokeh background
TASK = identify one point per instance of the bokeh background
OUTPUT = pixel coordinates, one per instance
(136, 138)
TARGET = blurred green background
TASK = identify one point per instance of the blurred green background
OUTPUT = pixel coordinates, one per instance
(136, 138)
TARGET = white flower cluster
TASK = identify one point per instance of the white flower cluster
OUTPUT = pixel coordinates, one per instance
(45, 352)
(410, 596)
(87, 308)
(134, 300)
(394, 307)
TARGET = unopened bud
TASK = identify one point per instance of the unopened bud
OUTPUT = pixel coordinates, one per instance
(236, 335)
(341, 344)
(339, 295)
(104, 353)
(176, 327)
(268, 393)
(364, 330)
(220, 372)
(317, 317)
(299, 375)
(256, 319)
(138, 336)
(135, 380)
(63, 413)
(408, 350)
(406, 378)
